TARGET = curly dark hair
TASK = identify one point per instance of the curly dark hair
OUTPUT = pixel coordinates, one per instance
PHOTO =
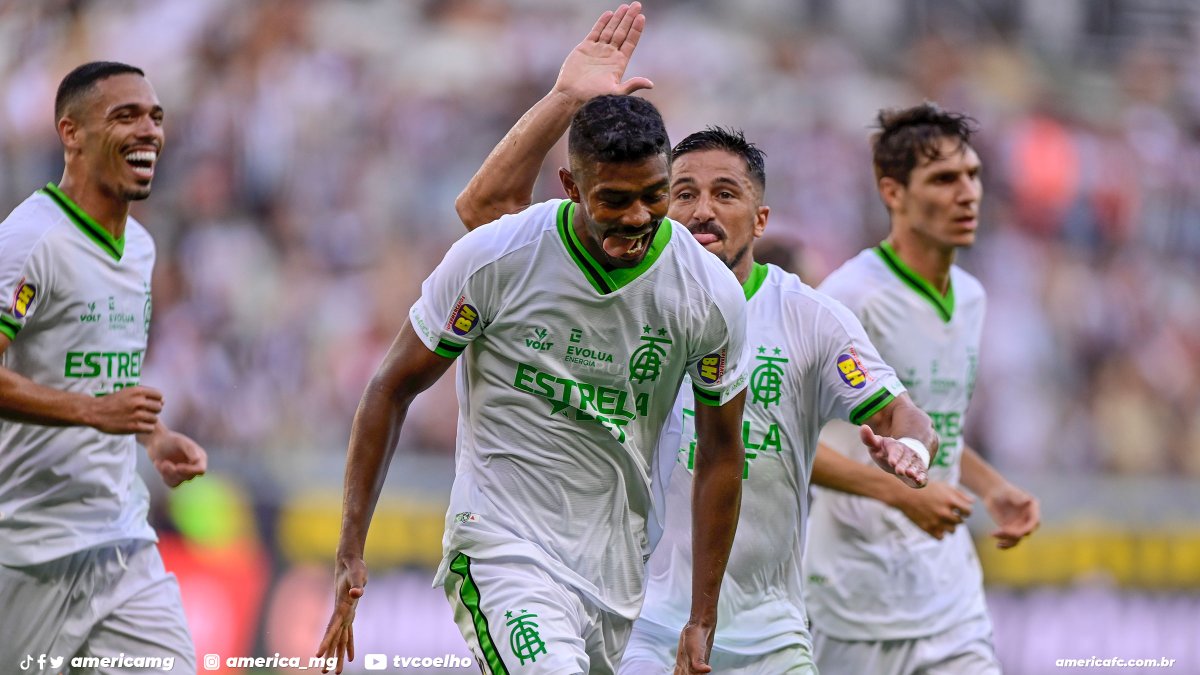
(906, 135)
(617, 129)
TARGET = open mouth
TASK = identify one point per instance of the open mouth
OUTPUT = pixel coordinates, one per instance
(628, 246)
(142, 162)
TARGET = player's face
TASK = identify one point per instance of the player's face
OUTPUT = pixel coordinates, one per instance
(941, 201)
(622, 205)
(122, 135)
(713, 194)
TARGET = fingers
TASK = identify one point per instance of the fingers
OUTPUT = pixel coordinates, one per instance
(621, 34)
(610, 28)
(635, 84)
(594, 35)
(635, 34)
(868, 437)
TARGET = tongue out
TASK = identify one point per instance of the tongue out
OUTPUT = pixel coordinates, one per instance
(621, 247)
(705, 238)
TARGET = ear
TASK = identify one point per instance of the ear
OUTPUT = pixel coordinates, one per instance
(69, 132)
(569, 185)
(891, 193)
(760, 220)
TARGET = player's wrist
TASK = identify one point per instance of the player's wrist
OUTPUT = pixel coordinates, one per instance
(918, 448)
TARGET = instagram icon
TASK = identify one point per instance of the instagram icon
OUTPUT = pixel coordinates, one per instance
(212, 661)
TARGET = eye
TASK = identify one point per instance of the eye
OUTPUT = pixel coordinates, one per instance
(683, 195)
(726, 194)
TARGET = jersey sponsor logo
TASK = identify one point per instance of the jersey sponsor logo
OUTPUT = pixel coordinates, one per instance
(710, 368)
(756, 440)
(23, 299)
(83, 365)
(853, 372)
(463, 318)
(91, 315)
(582, 401)
(539, 341)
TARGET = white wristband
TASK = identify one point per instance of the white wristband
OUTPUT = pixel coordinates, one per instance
(918, 447)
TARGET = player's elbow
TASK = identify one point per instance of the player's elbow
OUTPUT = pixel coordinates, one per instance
(466, 206)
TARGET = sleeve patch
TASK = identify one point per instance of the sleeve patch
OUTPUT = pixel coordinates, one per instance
(23, 299)
(852, 370)
(463, 318)
(711, 368)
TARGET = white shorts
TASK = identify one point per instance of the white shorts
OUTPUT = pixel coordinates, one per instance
(516, 618)
(102, 602)
(651, 651)
(965, 649)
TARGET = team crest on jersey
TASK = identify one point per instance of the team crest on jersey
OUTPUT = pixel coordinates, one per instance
(710, 368)
(463, 318)
(766, 382)
(23, 299)
(646, 362)
(850, 367)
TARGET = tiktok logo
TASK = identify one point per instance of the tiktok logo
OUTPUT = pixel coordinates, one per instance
(26, 662)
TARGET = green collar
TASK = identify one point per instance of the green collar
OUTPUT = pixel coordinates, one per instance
(758, 274)
(113, 246)
(606, 281)
(944, 304)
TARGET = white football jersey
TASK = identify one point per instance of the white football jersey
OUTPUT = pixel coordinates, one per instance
(569, 373)
(810, 362)
(871, 573)
(76, 304)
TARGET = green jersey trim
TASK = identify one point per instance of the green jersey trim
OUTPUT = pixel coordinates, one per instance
(9, 327)
(877, 401)
(469, 594)
(113, 246)
(706, 397)
(448, 349)
(758, 274)
(606, 281)
(944, 304)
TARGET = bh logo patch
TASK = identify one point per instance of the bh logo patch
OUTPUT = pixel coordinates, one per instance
(23, 299)
(711, 367)
(851, 369)
(463, 318)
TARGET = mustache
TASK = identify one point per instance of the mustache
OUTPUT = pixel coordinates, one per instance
(708, 227)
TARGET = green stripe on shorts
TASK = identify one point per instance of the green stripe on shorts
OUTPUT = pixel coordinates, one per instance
(468, 592)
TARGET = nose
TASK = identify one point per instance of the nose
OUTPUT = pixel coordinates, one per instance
(149, 130)
(703, 211)
(637, 215)
(970, 190)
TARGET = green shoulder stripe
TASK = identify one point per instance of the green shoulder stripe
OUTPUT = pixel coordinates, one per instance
(9, 326)
(944, 304)
(103, 238)
(706, 397)
(758, 274)
(606, 281)
(876, 402)
(469, 594)
(449, 349)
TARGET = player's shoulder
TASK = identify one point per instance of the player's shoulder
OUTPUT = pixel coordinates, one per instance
(509, 234)
(857, 280)
(967, 288)
(705, 270)
(138, 240)
(803, 305)
(31, 224)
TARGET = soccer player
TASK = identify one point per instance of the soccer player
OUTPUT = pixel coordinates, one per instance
(577, 320)
(79, 571)
(812, 362)
(887, 598)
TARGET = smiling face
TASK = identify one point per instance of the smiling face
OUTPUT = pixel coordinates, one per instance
(714, 195)
(940, 203)
(114, 135)
(622, 205)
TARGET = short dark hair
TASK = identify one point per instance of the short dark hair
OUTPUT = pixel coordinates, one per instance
(617, 129)
(907, 134)
(79, 81)
(729, 140)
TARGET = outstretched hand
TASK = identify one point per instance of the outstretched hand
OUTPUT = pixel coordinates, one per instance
(894, 457)
(339, 634)
(1016, 512)
(177, 458)
(596, 65)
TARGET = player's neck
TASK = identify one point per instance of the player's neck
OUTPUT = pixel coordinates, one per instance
(933, 263)
(108, 211)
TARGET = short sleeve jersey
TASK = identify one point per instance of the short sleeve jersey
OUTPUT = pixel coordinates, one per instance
(809, 362)
(75, 303)
(568, 374)
(872, 573)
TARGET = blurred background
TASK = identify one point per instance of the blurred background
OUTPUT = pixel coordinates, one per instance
(314, 151)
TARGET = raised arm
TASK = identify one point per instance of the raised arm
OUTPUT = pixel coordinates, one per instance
(408, 369)
(716, 501)
(504, 183)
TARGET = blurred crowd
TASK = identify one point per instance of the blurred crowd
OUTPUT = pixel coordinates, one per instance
(315, 148)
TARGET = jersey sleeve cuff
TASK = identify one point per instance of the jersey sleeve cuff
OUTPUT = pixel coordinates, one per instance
(873, 404)
(437, 344)
(9, 327)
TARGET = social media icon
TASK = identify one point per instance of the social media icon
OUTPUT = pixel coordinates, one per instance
(56, 662)
(27, 662)
(376, 662)
(212, 661)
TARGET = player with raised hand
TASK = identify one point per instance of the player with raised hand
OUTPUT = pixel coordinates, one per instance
(75, 272)
(577, 321)
(888, 598)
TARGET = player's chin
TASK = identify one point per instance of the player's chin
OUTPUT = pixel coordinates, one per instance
(136, 192)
